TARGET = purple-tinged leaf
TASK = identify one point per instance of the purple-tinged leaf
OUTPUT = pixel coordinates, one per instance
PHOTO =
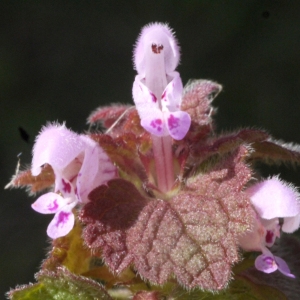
(124, 152)
(192, 236)
(196, 101)
(276, 152)
(112, 211)
(227, 142)
(34, 183)
(108, 114)
(203, 153)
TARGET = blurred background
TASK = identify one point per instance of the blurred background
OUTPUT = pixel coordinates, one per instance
(61, 60)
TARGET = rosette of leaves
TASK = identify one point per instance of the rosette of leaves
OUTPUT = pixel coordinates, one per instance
(133, 242)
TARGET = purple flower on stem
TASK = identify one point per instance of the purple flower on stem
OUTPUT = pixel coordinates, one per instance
(157, 93)
(272, 199)
(79, 165)
(157, 88)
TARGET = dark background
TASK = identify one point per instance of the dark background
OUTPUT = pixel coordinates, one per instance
(60, 60)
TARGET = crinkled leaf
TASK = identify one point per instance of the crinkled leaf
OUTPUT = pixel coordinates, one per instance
(111, 214)
(133, 123)
(35, 183)
(118, 119)
(276, 152)
(69, 251)
(123, 151)
(204, 155)
(196, 101)
(107, 114)
(226, 143)
(60, 285)
(192, 236)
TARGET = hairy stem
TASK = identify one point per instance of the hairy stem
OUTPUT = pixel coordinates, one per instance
(162, 149)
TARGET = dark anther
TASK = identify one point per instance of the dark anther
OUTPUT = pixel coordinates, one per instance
(157, 48)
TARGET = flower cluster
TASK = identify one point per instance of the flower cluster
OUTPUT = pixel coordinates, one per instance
(160, 197)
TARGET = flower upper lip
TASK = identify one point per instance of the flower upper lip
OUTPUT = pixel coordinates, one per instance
(157, 89)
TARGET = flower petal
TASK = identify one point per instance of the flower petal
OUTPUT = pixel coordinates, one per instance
(96, 169)
(55, 145)
(172, 95)
(178, 124)
(161, 35)
(155, 123)
(290, 224)
(49, 203)
(274, 198)
(62, 223)
(266, 263)
(283, 267)
(145, 101)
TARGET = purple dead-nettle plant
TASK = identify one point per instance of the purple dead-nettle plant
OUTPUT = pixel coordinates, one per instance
(160, 203)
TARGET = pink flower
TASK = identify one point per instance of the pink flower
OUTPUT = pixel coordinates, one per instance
(268, 263)
(157, 88)
(272, 199)
(79, 165)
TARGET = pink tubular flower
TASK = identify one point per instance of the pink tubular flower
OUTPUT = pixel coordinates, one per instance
(157, 88)
(79, 165)
(272, 199)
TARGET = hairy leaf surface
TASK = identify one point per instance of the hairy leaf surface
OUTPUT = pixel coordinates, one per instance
(60, 285)
(192, 236)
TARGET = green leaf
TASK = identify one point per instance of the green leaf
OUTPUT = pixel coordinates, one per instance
(60, 285)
